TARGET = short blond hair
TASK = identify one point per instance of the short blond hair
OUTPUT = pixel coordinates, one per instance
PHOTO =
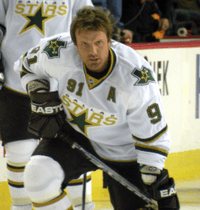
(91, 18)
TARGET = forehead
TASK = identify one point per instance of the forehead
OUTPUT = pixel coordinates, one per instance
(89, 35)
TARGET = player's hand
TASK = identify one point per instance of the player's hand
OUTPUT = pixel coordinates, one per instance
(127, 37)
(164, 24)
(47, 115)
(149, 174)
(160, 187)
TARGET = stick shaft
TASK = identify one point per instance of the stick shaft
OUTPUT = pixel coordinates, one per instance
(101, 165)
(84, 191)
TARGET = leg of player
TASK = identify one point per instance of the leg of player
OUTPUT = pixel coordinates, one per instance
(18, 154)
(75, 189)
(43, 180)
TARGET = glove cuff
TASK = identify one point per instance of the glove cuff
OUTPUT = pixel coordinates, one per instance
(146, 169)
(38, 85)
(149, 173)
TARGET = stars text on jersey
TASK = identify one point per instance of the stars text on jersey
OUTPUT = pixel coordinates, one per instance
(36, 15)
(84, 117)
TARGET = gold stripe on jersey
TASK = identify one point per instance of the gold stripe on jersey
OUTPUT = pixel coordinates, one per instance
(15, 168)
(79, 181)
(146, 148)
(153, 138)
(52, 201)
(16, 184)
(24, 71)
(93, 82)
(25, 54)
(17, 164)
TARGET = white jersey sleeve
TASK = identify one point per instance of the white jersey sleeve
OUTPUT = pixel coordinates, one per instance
(145, 112)
(32, 66)
(146, 119)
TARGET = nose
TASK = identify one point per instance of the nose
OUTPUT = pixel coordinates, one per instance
(93, 50)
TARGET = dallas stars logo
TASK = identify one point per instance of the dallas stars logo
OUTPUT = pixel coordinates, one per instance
(144, 76)
(81, 121)
(36, 20)
(53, 47)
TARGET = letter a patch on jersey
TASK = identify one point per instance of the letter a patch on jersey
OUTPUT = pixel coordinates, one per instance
(53, 47)
(143, 76)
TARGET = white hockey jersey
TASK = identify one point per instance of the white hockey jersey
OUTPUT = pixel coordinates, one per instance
(121, 113)
(26, 22)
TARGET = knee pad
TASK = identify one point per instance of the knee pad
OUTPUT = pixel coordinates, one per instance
(43, 178)
(20, 151)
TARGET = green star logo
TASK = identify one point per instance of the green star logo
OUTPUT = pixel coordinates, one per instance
(81, 121)
(143, 76)
(53, 47)
(36, 20)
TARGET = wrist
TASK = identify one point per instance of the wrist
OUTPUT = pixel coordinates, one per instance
(38, 85)
(149, 173)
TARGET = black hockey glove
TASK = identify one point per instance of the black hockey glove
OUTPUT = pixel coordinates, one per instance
(47, 116)
(160, 187)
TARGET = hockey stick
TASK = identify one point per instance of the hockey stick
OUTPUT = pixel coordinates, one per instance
(84, 190)
(101, 165)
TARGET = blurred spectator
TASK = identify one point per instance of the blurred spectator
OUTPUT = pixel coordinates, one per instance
(186, 17)
(187, 4)
(166, 11)
(144, 19)
(151, 16)
(115, 8)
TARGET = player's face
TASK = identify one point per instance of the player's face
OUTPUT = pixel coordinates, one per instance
(93, 47)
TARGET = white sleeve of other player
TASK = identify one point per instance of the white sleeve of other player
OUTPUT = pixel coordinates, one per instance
(3, 11)
(148, 126)
(78, 4)
(29, 67)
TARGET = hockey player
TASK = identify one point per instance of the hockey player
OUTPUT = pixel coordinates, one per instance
(108, 101)
(26, 22)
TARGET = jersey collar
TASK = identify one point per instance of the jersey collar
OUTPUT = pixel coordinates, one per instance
(93, 82)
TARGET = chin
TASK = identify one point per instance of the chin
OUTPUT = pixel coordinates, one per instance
(93, 68)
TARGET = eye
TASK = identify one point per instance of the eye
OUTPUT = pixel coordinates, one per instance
(99, 42)
(84, 44)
